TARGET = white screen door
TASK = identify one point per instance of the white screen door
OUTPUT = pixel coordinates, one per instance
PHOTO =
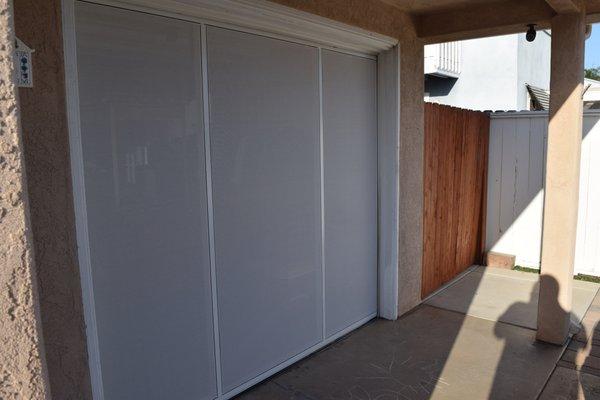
(291, 192)
(350, 171)
(143, 149)
(264, 126)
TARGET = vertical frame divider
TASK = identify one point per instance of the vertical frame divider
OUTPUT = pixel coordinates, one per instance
(388, 180)
(79, 200)
(322, 168)
(209, 195)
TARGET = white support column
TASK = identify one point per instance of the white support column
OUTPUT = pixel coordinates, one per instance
(22, 362)
(562, 177)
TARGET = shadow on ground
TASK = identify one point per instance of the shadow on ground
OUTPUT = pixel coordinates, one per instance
(577, 374)
(458, 345)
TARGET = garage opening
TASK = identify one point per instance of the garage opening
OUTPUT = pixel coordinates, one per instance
(231, 200)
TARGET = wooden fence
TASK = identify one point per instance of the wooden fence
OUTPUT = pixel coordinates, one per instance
(456, 159)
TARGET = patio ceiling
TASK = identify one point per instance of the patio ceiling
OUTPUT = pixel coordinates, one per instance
(437, 6)
(427, 6)
(445, 20)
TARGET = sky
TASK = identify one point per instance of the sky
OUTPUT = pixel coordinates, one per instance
(592, 48)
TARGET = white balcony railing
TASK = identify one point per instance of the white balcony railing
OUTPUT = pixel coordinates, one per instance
(443, 59)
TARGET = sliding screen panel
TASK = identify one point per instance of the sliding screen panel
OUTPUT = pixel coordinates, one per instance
(145, 185)
(264, 129)
(350, 170)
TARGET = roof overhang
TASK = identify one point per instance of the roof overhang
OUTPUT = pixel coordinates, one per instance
(447, 20)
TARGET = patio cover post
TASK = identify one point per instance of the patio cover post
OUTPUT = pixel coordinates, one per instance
(22, 361)
(562, 177)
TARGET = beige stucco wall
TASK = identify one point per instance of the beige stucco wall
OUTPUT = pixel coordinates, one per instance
(412, 153)
(561, 186)
(371, 15)
(46, 144)
(22, 362)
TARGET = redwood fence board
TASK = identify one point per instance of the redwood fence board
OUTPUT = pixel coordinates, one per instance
(456, 154)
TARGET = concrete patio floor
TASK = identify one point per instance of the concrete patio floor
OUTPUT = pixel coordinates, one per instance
(472, 340)
(504, 295)
(577, 375)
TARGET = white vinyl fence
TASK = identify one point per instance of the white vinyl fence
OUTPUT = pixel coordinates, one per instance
(516, 189)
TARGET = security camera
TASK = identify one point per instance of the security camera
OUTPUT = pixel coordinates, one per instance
(531, 33)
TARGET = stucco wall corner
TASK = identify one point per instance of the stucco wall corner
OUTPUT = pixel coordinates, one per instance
(23, 372)
(49, 183)
(412, 153)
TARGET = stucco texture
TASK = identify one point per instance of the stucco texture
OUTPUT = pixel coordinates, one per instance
(411, 158)
(371, 15)
(22, 366)
(563, 160)
(46, 146)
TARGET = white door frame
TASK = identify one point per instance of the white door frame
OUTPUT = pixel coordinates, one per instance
(272, 20)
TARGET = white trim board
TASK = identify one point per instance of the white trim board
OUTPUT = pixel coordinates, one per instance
(534, 114)
(267, 17)
(322, 195)
(388, 176)
(282, 23)
(77, 176)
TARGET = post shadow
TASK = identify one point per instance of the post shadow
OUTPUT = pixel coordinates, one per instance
(504, 381)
